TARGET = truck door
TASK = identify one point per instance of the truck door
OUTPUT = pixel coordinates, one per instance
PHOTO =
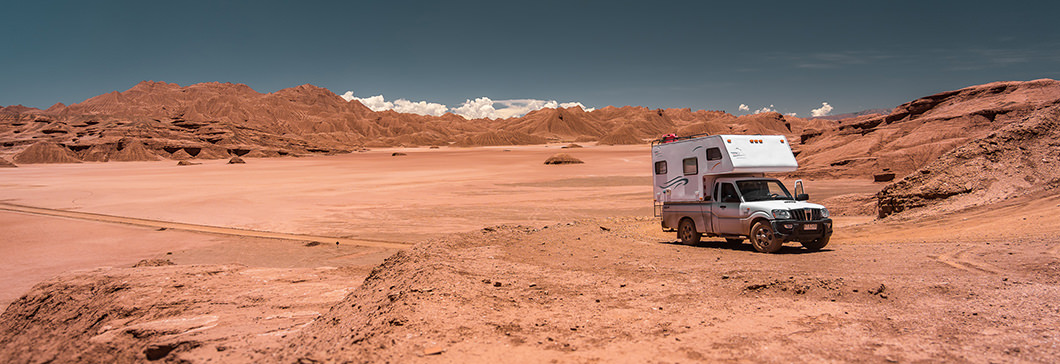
(726, 210)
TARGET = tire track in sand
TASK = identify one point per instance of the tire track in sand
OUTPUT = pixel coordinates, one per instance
(88, 216)
(960, 260)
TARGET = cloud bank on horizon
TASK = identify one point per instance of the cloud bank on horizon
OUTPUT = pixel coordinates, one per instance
(479, 108)
(486, 108)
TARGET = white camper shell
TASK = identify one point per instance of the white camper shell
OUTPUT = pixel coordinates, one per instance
(681, 165)
(715, 185)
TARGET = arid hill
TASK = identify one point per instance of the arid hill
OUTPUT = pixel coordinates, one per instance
(918, 132)
(1020, 159)
(218, 120)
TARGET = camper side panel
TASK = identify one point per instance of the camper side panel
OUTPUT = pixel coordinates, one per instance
(679, 167)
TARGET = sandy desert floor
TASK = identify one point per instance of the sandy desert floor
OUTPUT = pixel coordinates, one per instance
(514, 258)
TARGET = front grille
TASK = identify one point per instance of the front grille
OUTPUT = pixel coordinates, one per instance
(806, 214)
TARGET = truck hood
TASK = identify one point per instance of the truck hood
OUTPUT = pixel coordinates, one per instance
(781, 205)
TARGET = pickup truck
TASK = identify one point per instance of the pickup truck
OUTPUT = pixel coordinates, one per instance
(753, 207)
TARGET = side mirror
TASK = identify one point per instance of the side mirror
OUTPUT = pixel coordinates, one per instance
(799, 189)
(802, 197)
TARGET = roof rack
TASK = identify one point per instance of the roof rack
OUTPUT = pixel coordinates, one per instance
(662, 140)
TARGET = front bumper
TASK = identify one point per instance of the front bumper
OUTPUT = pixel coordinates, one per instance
(802, 231)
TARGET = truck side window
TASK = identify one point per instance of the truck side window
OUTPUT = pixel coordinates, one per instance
(713, 154)
(691, 165)
(728, 193)
(660, 167)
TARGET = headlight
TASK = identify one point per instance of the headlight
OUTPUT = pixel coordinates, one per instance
(781, 214)
(824, 212)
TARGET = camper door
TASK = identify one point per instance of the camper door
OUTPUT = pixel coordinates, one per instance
(663, 182)
(677, 179)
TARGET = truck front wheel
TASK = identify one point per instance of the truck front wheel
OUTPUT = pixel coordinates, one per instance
(764, 239)
(686, 231)
(817, 244)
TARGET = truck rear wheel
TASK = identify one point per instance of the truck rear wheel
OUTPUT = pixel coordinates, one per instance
(764, 239)
(686, 232)
(817, 244)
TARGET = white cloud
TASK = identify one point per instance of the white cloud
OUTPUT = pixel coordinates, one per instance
(379, 103)
(573, 104)
(376, 103)
(420, 107)
(744, 107)
(766, 109)
(483, 107)
(822, 111)
(791, 114)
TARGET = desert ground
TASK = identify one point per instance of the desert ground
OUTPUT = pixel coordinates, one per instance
(486, 254)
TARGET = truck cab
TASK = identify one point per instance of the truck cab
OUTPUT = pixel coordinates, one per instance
(760, 209)
(729, 196)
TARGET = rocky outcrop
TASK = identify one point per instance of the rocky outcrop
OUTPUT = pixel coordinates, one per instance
(46, 152)
(1019, 159)
(625, 134)
(918, 132)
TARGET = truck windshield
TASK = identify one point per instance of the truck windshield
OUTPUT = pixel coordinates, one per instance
(762, 190)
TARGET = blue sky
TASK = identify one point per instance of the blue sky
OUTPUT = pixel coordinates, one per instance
(853, 55)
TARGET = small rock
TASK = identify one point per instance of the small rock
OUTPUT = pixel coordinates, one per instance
(236, 160)
(153, 263)
(155, 351)
(433, 350)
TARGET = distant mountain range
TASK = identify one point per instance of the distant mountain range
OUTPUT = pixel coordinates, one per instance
(215, 120)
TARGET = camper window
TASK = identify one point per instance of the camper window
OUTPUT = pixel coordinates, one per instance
(713, 154)
(660, 167)
(691, 166)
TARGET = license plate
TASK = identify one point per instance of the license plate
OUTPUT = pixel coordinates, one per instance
(809, 227)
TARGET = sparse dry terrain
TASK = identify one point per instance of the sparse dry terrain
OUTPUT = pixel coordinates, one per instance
(548, 263)
(487, 254)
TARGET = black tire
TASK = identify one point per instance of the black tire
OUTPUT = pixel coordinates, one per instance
(817, 244)
(764, 239)
(734, 240)
(686, 232)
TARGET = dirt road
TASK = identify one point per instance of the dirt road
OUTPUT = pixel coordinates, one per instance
(559, 264)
